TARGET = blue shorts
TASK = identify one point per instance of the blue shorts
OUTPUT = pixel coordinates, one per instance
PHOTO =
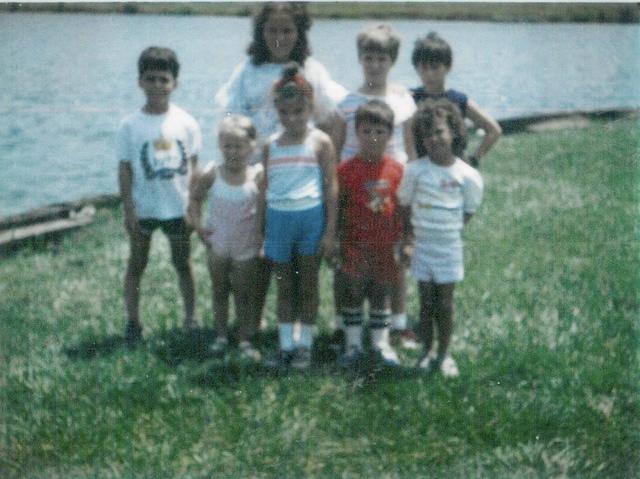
(290, 233)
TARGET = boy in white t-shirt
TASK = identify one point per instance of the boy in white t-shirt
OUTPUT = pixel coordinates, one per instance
(440, 193)
(378, 47)
(158, 148)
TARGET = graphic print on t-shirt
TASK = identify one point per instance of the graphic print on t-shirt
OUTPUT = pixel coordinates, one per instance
(378, 191)
(163, 159)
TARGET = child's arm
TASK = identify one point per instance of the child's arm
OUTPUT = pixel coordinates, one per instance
(338, 135)
(407, 240)
(125, 183)
(327, 162)
(261, 205)
(200, 184)
(492, 130)
(409, 140)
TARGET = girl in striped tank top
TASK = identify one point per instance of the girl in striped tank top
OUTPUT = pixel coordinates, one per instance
(297, 213)
(231, 232)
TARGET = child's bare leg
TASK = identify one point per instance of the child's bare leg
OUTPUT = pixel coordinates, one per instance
(138, 258)
(307, 297)
(242, 284)
(398, 293)
(220, 272)
(262, 281)
(427, 292)
(284, 280)
(444, 316)
(180, 252)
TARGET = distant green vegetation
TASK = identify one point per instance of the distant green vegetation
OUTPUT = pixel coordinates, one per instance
(546, 339)
(500, 12)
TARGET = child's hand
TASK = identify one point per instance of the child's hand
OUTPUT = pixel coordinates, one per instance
(204, 234)
(405, 253)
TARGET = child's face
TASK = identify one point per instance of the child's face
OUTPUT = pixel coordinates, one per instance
(432, 75)
(236, 148)
(157, 85)
(280, 35)
(438, 141)
(375, 66)
(294, 113)
(372, 139)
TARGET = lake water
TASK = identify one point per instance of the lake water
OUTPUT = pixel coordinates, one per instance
(67, 80)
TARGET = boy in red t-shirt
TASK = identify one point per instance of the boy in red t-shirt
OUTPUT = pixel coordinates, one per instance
(369, 228)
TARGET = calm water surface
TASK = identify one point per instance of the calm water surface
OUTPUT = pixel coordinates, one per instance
(68, 79)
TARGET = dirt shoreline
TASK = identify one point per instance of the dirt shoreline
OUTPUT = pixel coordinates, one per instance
(495, 12)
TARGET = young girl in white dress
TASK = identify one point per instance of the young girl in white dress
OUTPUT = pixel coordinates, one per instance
(231, 232)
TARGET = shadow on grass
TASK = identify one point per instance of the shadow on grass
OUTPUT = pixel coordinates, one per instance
(176, 346)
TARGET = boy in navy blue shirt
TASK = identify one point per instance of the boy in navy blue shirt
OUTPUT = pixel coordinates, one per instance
(432, 59)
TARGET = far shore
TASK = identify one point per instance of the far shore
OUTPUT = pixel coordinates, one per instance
(494, 12)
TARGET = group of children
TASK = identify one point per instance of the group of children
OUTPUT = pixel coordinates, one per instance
(373, 181)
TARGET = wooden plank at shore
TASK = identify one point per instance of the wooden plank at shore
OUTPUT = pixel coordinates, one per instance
(23, 233)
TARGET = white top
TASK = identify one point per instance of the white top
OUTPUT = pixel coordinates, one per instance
(401, 103)
(248, 92)
(294, 176)
(158, 148)
(229, 203)
(439, 196)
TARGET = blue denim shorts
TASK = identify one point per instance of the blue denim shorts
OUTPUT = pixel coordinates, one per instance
(290, 233)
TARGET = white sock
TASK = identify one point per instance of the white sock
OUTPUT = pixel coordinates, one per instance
(306, 336)
(285, 335)
(353, 327)
(399, 321)
(379, 328)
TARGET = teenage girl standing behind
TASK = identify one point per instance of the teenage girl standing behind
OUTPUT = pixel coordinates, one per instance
(298, 210)
(279, 36)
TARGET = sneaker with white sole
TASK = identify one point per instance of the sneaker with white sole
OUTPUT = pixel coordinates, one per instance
(449, 368)
(301, 358)
(428, 363)
(352, 358)
(386, 355)
(218, 348)
(405, 338)
(248, 352)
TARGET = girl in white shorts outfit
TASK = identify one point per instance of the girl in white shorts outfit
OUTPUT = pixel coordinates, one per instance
(440, 193)
(231, 233)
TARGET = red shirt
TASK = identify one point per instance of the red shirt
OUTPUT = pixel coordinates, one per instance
(368, 200)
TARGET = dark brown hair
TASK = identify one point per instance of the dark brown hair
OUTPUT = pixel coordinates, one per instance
(258, 50)
(424, 120)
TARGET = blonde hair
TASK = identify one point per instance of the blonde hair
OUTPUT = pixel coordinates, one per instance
(237, 123)
(379, 38)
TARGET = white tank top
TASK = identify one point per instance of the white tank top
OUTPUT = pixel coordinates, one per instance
(294, 175)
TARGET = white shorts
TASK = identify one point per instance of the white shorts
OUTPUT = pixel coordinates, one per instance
(438, 261)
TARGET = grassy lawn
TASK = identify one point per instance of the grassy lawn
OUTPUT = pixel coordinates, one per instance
(546, 340)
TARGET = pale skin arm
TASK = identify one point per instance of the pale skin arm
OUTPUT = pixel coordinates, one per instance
(125, 182)
(327, 161)
(409, 140)
(338, 135)
(491, 128)
(261, 205)
(200, 184)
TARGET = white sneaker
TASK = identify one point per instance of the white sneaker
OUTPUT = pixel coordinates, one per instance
(249, 352)
(449, 368)
(218, 348)
(386, 355)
